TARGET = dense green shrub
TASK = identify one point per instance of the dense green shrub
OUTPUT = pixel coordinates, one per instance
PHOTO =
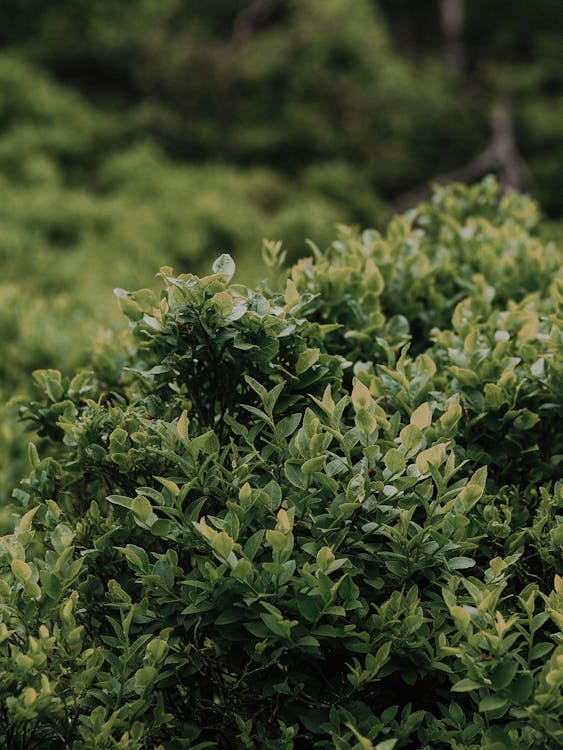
(88, 203)
(466, 242)
(261, 522)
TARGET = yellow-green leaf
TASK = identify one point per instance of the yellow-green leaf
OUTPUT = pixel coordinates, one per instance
(395, 461)
(182, 426)
(171, 486)
(277, 539)
(411, 437)
(223, 302)
(461, 617)
(313, 464)
(361, 397)
(142, 508)
(422, 416)
(452, 415)
(292, 295)
(325, 558)
(434, 455)
(24, 523)
(470, 494)
(465, 376)
(21, 570)
(223, 544)
(373, 278)
(284, 523)
(365, 421)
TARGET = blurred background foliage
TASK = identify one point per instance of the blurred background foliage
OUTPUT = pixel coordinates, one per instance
(137, 133)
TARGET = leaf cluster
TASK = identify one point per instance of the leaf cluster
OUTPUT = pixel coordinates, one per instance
(322, 516)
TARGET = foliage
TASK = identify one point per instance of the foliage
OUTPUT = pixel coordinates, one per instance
(262, 522)
(139, 133)
(88, 196)
(89, 204)
(282, 83)
(300, 83)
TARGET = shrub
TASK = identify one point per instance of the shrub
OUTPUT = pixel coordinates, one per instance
(264, 523)
(89, 203)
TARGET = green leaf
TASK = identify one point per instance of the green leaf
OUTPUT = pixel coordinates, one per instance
(411, 437)
(272, 396)
(309, 606)
(365, 422)
(131, 309)
(161, 528)
(292, 469)
(207, 443)
(21, 570)
(253, 544)
(136, 556)
(502, 674)
(142, 508)
(277, 539)
(493, 703)
(421, 417)
(257, 387)
(306, 360)
(434, 455)
(313, 464)
(228, 616)
(395, 461)
(223, 544)
(124, 502)
(51, 584)
(224, 265)
(51, 382)
(539, 650)
(466, 685)
(144, 677)
(281, 628)
(460, 563)
(526, 419)
(521, 688)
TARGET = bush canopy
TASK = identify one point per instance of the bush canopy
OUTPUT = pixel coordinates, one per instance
(321, 512)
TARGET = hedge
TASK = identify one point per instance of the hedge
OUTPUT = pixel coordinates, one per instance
(321, 512)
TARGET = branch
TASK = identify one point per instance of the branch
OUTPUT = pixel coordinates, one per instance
(500, 155)
(451, 13)
(246, 20)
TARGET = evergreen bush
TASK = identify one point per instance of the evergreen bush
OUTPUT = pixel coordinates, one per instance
(327, 516)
